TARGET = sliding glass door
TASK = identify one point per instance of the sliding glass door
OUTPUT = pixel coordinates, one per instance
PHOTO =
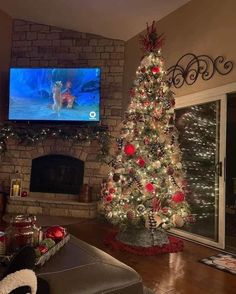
(201, 126)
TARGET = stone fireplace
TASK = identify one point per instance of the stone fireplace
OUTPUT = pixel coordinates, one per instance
(55, 173)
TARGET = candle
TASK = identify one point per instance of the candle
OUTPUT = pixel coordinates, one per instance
(16, 189)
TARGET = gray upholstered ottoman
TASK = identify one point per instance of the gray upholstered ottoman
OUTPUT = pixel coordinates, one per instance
(79, 268)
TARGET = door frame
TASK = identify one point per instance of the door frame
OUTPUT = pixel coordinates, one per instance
(215, 94)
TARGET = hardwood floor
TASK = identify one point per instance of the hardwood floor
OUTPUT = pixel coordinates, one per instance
(176, 273)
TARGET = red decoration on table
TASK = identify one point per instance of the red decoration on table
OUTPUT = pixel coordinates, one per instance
(24, 194)
(141, 162)
(178, 197)
(149, 187)
(56, 233)
(42, 249)
(155, 69)
(175, 245)
(129, 149)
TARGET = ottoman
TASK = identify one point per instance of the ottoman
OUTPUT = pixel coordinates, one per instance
(79, 268)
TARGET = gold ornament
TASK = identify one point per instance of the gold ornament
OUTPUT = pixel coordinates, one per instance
(177, 220)
(158, 220)
(162, 138)
(175, 157)
(109, 184)
(184, 213)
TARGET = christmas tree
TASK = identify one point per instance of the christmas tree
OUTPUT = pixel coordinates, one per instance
(146, 187)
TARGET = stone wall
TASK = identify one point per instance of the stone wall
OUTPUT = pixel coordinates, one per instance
(37, 45)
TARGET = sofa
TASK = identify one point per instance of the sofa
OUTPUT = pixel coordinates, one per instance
(79, 268)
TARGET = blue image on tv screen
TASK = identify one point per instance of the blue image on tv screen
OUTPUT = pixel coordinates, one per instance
(63, 94)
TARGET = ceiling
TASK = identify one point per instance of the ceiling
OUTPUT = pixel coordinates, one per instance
(117, 19)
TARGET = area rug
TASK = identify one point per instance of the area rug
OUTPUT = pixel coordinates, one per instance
(175, 245)
(224, 262)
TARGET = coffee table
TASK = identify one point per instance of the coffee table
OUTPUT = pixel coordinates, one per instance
(84, 269)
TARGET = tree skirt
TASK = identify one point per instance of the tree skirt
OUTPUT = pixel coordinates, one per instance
(175, 245)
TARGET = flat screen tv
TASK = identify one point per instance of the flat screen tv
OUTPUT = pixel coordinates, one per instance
(54, 94)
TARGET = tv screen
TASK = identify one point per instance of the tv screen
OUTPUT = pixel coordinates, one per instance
(54, 94)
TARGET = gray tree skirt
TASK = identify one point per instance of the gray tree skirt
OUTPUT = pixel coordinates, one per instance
(142, 237)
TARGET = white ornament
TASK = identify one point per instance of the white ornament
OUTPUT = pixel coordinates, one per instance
(179, 165)
(165, 226)
(157, 164)
(110, 215)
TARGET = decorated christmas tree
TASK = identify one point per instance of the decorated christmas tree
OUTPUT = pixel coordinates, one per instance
(145, 191)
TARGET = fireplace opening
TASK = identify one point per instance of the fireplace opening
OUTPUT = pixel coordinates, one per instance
(57, 174)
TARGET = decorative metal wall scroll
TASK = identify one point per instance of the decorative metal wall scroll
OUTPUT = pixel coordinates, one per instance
(190, 66)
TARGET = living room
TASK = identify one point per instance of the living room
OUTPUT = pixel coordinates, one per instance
(73, 75)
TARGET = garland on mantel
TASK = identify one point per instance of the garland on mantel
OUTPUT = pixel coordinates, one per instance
(30, 135)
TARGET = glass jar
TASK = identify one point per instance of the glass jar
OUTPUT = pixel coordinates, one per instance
(20, 232)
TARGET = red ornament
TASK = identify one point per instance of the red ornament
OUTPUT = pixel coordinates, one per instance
(184, 183)
(111, 190)
(147, 103)
(178, 197)
(141, 162)
(146, 141)
(165, 210)
(42, 249)
(56, 233)
(129, 149)
(170, 170)
(172, 101)
(131, 170)
(24, 194)
(132, 92)
(191, 219)
(143, 69)
(149, 187)
(155, 70)
(109, 198)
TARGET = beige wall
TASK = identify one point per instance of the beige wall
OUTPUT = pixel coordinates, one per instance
(5, 55)
(200, 27)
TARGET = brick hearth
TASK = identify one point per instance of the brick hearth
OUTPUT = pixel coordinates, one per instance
(53, 207)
